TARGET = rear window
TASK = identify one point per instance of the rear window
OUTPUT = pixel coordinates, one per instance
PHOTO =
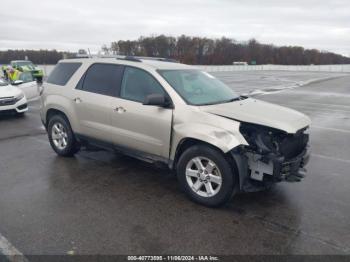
(62, 72)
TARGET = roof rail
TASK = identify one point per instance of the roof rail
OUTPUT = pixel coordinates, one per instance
(162, 59)
(139, 58)
(120, 57)
(130, 58)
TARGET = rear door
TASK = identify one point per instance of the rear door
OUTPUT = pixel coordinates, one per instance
(92, 99)
(139, 127)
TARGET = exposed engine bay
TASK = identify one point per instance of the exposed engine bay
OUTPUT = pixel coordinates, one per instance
(272, 155)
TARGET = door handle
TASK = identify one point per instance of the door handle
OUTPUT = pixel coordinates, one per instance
(77, 100)
(120, 109)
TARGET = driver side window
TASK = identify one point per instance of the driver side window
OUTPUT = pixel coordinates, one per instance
(138, 84)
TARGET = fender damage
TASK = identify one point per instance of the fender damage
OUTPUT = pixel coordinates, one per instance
(220, 132)
(277, 146)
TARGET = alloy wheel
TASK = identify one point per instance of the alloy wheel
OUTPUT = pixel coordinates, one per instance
(59, 136)
(203, 176)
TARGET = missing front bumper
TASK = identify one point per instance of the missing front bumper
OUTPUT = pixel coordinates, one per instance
(258, 172)
(291, 170)
(278, 169)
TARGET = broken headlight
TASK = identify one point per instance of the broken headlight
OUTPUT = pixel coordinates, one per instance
(265, 140)
(262, 139)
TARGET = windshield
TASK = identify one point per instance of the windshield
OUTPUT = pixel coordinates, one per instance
(198, 87)
(24, 63)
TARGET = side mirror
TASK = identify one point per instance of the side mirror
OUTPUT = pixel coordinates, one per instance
(17, 82)
(157, 100)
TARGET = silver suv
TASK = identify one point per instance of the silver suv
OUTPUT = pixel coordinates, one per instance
(219, 143)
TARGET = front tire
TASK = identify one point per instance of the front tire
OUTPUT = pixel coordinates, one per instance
(206, 176)
(61, 136)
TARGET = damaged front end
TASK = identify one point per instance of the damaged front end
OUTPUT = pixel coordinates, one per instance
(272, 156)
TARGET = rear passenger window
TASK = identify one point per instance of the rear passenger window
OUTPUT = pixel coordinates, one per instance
(62, 72)
(103, 79)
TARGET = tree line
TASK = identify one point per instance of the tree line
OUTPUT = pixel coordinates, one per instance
(193, 50)
(223, 51)
(36, 56)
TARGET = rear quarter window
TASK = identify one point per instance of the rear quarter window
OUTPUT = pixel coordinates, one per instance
(62, 72)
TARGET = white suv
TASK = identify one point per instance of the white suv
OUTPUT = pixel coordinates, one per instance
(219, 143)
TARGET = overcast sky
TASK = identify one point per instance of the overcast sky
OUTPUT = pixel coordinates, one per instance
(74, 24)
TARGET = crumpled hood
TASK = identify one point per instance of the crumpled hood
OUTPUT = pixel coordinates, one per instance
(262, 113)
(9, 91)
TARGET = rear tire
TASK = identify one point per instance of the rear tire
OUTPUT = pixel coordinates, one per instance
(61, 136)
(206, 175)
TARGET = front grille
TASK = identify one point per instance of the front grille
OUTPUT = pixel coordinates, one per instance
(293, 145)
(7, 101)
(8, 112)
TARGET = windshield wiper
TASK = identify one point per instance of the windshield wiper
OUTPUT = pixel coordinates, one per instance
(233, 99)
(238, 98)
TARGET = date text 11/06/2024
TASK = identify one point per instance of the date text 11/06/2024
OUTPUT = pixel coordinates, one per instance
(173, 258)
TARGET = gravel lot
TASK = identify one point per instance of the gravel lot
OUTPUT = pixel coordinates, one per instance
(102, 203)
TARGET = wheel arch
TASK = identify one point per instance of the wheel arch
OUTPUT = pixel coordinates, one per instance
(188, 142)
(219, 138)
(54, 111)
(60, 104)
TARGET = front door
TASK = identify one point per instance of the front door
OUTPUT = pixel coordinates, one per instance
(136, 126)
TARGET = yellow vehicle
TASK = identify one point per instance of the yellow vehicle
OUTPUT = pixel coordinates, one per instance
(28, 66)
(11, 74)
(13, 71)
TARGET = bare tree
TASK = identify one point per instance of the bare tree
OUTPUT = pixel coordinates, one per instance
(202, 50)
